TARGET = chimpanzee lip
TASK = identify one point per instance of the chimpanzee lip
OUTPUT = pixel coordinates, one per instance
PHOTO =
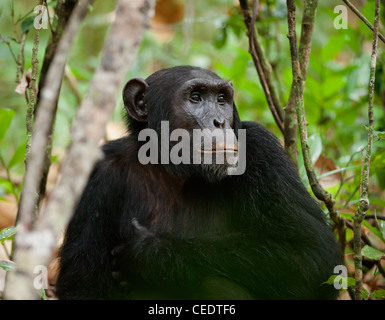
(220, 148)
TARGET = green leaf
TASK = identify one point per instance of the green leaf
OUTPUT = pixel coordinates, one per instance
(372, 253)
(377, 202)
(6, 265)
(5, 186)
(379, 134)
(27, 24)
(7, 234)
(18, 156)
(54, 158)
(42, 294)
(6, 116)
(331, 279)
(378, 294)
(333, 47)
(220, 37)
(52, 3)
(347, 215)
(374, 230)
(351, 281)
(365, 294)
(315, 144)
(382, 228)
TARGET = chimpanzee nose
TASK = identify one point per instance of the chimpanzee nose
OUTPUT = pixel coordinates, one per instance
(219, 124)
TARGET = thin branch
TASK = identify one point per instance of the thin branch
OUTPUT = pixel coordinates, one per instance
(20, 59)
(261, 64)
(49, 18)
(9, 178)
(64, 9)
(290, 121)
(319, 192)
(351, 196)
(374, 216)
(73, 85)
(308, 18)
(266, 67)
(366, 240)
(364, 196)
(362, 17)
(32, 92)
(7, 42)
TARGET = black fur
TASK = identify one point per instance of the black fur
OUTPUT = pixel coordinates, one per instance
(259, 235)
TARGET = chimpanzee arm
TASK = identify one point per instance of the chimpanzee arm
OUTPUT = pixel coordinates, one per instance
(91, 235)
(260, 265)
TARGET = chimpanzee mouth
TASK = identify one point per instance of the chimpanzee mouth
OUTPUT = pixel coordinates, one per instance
(220, 148)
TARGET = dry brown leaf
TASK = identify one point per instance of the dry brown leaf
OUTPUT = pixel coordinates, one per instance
(21, 87)
(167, 13)
(8, 211)
(325, 165)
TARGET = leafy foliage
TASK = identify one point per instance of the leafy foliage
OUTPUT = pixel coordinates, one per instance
(6, 234)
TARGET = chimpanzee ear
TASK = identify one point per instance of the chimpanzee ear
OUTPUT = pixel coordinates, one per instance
(133, 98)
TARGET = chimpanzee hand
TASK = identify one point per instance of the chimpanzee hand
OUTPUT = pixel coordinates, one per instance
(124, 255)
(141, 231)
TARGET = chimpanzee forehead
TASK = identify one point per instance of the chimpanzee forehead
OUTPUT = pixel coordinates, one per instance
(179, 75)
(204, 74)
(203, 83)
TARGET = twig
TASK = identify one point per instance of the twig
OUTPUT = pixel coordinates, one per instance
(14, 23)
(362, 169)
(362, 17)
(364, 196)
(351, 196)
(268, 73)
(20, 59)
(266, 67)
(73, 85)
(64, 9)
(366, 240)
(6, 41)
(290, 122)
(343, 180)
(261, 64)
(374, 216)
(32, 93)
(49, 18)
(319, 192)
(9, 178)
(305, 41)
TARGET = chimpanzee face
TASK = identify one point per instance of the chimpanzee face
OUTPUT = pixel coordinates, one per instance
(192, 101)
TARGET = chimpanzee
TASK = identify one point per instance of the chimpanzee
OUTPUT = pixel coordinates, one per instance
(193, 230)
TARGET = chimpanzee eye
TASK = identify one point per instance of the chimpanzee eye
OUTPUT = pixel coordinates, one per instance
(221, 98)
(195, 97)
